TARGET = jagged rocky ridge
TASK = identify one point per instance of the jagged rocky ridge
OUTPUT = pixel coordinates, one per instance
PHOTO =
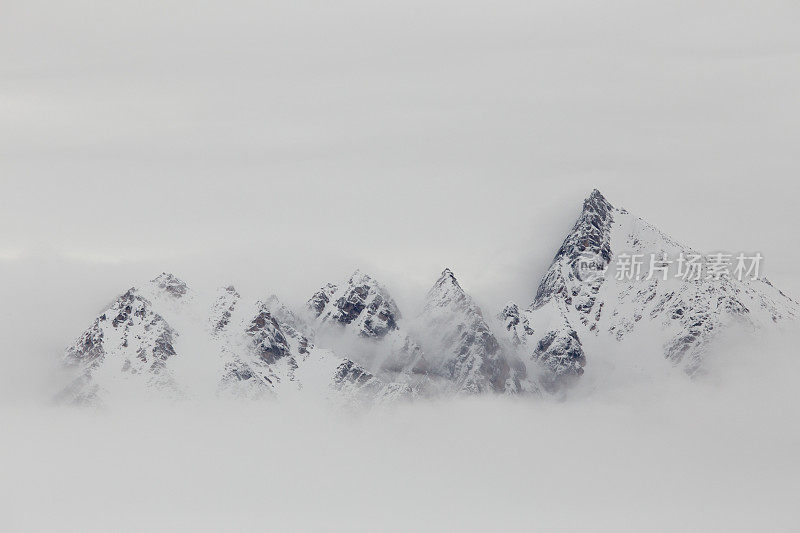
(229, 347)
(580, 300)
(360, 303)
(129, 343)
(351, 343)
(462, 349)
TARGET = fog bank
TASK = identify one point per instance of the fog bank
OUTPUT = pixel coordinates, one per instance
(660, 453)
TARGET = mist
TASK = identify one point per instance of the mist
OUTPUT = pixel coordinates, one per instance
(402, 137)
(660, 453)
(278, 146)
(635, 445)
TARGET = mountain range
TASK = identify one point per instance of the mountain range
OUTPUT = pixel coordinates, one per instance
(351, 344)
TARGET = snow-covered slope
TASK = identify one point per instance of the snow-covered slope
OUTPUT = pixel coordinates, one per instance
(361, 305)
(459, 345)
(581, 298)
(231, 347)
(360, 318)
(351, 343)
(128, 346)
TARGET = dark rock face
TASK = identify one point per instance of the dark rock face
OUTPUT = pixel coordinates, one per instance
(562, 354)
(588, 246)
(223, 308)
(351, 305)
(380, 313)
(291, 325)
(272, 355)
(510, 316)
(361, 303)
(268, 339)
(360, 385)
(133, 320)
(89, 346)
(171, 285)
(572, 281)
(591, 231)
(515, 323)
(128, 334)
(349, 372)
(320, 299)
(362, 311)
(238, 372)
(304, 345)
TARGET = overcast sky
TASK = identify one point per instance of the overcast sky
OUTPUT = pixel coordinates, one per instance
(281, 144)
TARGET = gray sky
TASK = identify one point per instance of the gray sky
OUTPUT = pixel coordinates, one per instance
(281, 144)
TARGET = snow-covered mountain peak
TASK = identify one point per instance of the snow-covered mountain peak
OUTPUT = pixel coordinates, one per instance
(361, 305)
(447, 274)
(359, 277)
(360, 319)
(128, 342)
(352, 341)
(587, 246)
(582, 297)
(223, 307)
(170, 284)
(511, 319)
(268, 338)
(316, 304)
(148, 344)
(596, 198)
(447, 278)
(509, 315)
(459, 345)
(447, 292)
(131, 314)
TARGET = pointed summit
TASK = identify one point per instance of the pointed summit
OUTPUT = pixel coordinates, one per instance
(595, 218)
(130, 337)
(459, 345)
(359, 276)
(445, 291)
(448, 278)
(596, 203)
(588, 242)
(362, 301)
(223, 307)
(316, 304)
(170, 284)
(597, 196)
(591, 232)
(268, 339)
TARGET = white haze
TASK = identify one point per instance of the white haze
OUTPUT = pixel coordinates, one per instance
(400, 136)
(280, 145)
(635, 450)
(635, 446)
